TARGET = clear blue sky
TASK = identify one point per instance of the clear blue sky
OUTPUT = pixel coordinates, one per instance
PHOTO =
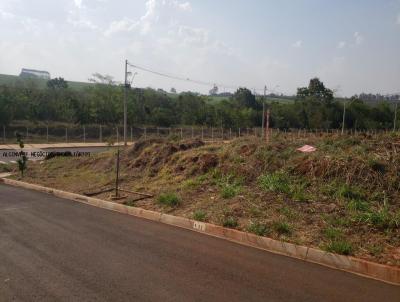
(353, 46)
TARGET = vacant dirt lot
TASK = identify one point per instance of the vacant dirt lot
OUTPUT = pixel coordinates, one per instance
(342, 198)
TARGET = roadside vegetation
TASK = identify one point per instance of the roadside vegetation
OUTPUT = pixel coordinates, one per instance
(343, 198)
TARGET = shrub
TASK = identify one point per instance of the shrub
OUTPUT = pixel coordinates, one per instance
(200, 215)
(275, 182)
(230, 222)
(340, 247)
(258, 228)
(169, 199)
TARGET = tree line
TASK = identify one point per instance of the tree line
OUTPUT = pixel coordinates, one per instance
(101, 103)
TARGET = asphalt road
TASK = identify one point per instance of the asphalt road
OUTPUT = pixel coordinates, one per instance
(58, 250)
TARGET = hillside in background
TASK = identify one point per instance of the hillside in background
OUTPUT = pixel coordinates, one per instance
(11, 80)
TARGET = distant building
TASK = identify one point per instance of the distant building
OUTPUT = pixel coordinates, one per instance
(32, 73)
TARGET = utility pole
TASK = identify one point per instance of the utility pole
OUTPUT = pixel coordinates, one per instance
(263, 112)
(125, 105)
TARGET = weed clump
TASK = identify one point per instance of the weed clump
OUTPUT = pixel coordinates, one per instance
(230, 222)
(200, 215)
(275, 182)
(342, 247)
(169, 199)
(282, 228)
(258, 228)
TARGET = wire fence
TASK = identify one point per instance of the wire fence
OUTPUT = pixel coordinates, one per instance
(114, 134)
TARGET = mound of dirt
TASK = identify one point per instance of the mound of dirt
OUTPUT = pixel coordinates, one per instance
(155, 153)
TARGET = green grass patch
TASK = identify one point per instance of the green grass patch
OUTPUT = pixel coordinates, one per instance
(342, 247)
(230, 222)
(258, 228)
(168, 199)
(200, 215)
(282, 228)
(275, 182)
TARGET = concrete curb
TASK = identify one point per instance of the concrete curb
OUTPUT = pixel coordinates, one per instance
(361, 267)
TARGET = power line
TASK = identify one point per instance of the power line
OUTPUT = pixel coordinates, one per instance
(187, 79)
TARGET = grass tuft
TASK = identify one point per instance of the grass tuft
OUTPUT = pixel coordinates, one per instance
(275, 182)
(200, 215)
(258, 228)
(169, 199)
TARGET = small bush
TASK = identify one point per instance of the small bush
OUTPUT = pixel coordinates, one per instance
(340, 247)
(230, 222)
(258, 228)
(169, 199)
(283, 228)
(275, 182)
(200, 215)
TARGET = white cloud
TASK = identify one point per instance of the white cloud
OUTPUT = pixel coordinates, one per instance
(297, 44)
(184, 6)
(341, 45)
(6, 15)
(78, 3)
(194, 36)
(358, 38)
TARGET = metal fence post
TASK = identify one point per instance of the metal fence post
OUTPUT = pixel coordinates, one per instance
(239, 132)
(101, 135)
(222, 132)
(117, 135)
(202, 133)
(47, 133)
(131, 135)
(181, 133)
(66, 134)
(192, 133)
(230, 133)
(212, 134)
(27, 133)
(84, 134)
(4, 134)
(158, 131)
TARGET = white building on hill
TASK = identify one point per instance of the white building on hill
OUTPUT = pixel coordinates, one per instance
(32, 73)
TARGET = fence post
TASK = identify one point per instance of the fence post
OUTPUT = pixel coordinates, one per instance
(202, 133)
(27, 133)
(131, 135)
(117, 135)
(101, 135)
(192, 133)
(212, 134)
(47, 133)
(222, 133)
(181, 133)
(84, 134)
(158, 131)
(66, 134)
(145, 133)
(4, 134)
(239, 132)
(230, 133)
